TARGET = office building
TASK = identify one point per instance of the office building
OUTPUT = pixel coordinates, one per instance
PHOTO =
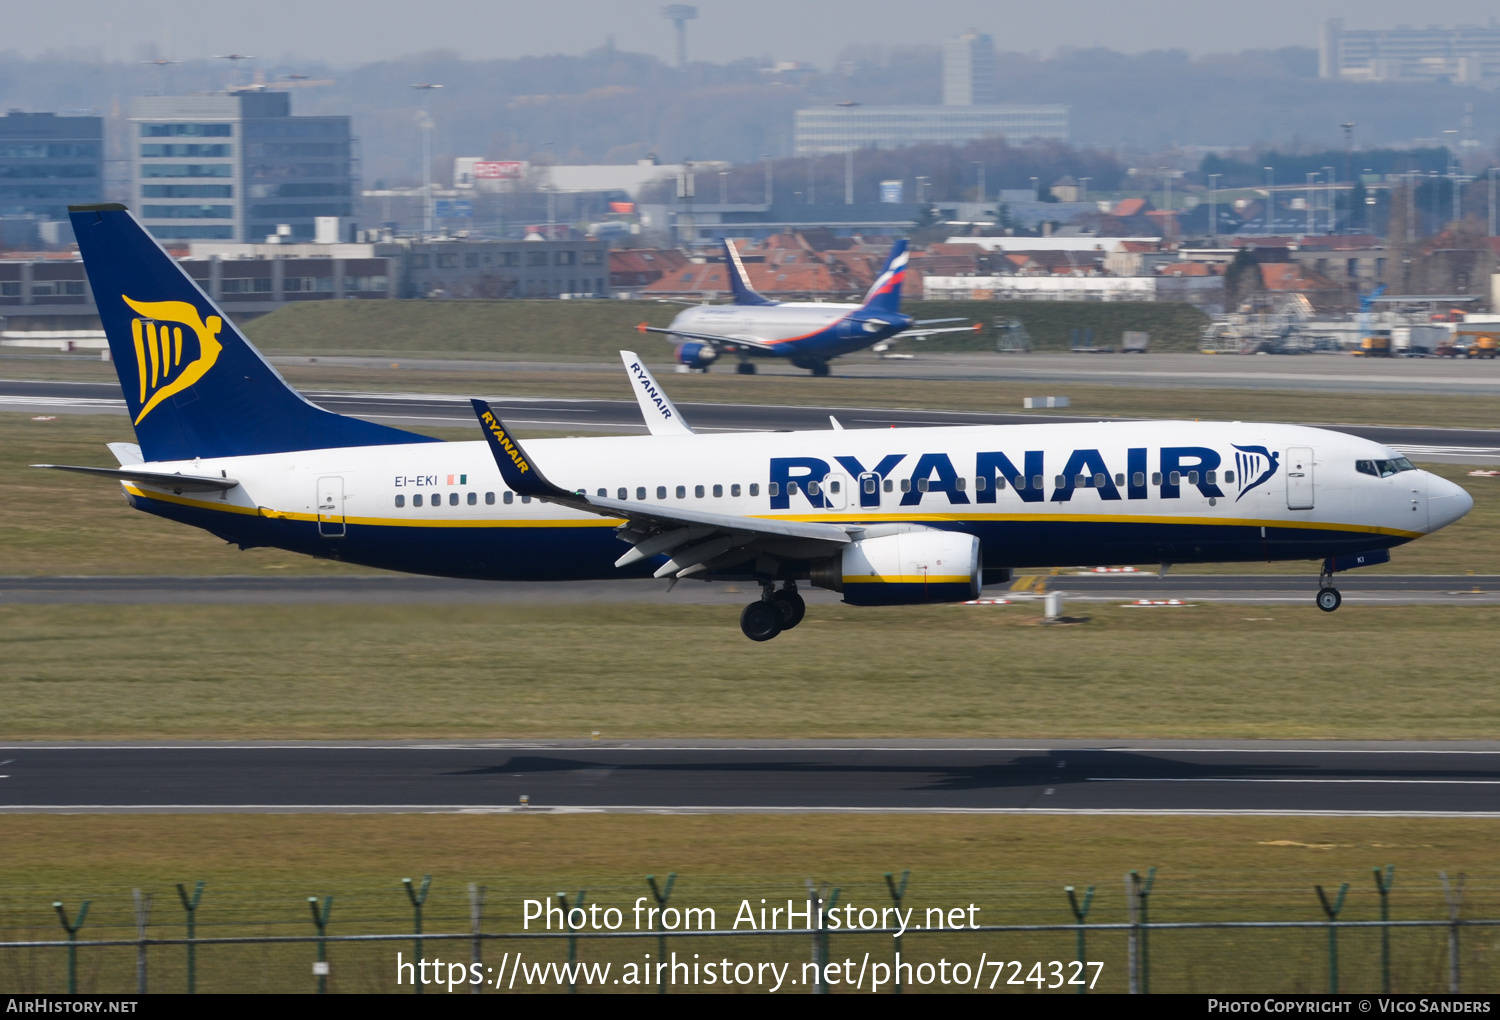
(969, 70)
(1467, 54)
(236, 166)
(831, 129)
(971, 110)
(49, 162)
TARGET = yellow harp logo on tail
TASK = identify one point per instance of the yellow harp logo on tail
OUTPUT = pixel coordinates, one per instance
(158, 336)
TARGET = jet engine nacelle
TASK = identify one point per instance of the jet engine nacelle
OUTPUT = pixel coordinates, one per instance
(696, 355)
(908, 568)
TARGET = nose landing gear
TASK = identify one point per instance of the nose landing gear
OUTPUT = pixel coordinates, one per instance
(1329, 598)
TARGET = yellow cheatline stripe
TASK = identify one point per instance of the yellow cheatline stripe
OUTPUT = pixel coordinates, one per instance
(611, 522)
(998, 518)
(909, 579)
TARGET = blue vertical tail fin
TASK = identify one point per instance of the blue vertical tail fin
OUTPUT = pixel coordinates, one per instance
(885, 293)
(194, 386)
(739, 280)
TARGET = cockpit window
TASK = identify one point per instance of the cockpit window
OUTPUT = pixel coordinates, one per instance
(1383, 468)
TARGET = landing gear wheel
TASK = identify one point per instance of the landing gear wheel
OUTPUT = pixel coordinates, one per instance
(745, 368)
(1329, 599)
(761, 621)
(792, 608)
(820, 368)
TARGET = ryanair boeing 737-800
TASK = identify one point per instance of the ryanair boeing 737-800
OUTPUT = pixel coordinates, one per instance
(806, 333)
(887, 517)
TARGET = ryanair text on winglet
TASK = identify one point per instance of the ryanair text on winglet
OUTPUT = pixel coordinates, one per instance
(505, 443)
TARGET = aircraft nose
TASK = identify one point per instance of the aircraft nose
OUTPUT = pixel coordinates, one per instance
(1446, 502)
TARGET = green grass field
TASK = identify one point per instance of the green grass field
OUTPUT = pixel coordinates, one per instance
(259, 871)
(598, 329)
(634, 671)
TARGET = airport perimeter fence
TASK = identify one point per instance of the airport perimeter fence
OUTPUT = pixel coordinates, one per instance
(827, 947)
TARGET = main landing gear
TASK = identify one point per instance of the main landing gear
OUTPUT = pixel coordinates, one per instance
(1329, 598)
(775, 612)
(745, 368)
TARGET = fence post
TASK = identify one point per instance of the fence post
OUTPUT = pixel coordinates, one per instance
(1454, 894)
(191, 906)
(562, 898)
(417, 899)
(476, 917)
(320, 919)
(1132, 916)
(1081, 913)
(820, 900)
(1142, 894)
(1383, 884)
(897, 892)
(1332, 910)
(661, 895)
(72, 930)
(142, 918)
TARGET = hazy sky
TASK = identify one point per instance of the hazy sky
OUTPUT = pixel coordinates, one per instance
(355, 31)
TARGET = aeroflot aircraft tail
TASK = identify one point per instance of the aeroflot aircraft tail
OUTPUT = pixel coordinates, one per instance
(885, 293)
(194, 387)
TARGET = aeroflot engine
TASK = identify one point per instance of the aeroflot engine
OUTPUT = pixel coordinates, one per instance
(911, 567)
(696, 355)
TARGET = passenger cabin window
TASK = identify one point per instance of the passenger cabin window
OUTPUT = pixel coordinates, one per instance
(888, 485)
(416, 500)
(1211, 476)
(1192, 478)
(1138, 479)
(754, 489)
(1119, 479)
(622, 493)
(1156, 478)
(961, 483)
(812, 488)
(473, 499)
(640, 492)
(508, 497)
(774, 489)
(833, 486)
(697, 492)
(791, 488)
(453, 499)
(682, 492)
(921, 485)
(400, 501)
(1020, 482)
(661, 492)
(1175, 478)
(525, 499)
(906, 485)
(1228, 477)
(489, 499)
(1036, 482)
(734, 490)
(869, 484)
(718, 491)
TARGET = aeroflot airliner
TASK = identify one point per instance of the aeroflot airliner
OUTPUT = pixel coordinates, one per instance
(808, 333)
(887, 517)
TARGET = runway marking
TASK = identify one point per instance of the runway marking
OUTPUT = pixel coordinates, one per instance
(1437, 782)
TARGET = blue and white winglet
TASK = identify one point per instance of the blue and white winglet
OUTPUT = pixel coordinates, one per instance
(662, 416)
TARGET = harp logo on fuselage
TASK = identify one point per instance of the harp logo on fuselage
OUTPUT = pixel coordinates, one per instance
(174, 348)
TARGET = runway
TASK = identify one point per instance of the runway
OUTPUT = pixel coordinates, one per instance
(723, 776)
(416, 410)
(402, 589)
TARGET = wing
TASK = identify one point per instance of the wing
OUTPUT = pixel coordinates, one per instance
(662, 417)
(696, 541)
(711, 338)
(161, 479)
(920, 334)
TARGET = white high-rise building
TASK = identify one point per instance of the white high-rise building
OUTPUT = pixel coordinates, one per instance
(969, 70)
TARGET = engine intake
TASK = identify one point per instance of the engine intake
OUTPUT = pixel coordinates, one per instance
(696, 355)
(909, 568)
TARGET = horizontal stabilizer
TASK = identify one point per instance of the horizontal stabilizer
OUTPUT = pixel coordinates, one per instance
(177, 482)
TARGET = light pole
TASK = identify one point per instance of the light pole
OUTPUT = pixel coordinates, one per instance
(1330, 195)
(1270, 198)
(812, 182)
(1213, 209)
(1083, 188)
(1309, 199)
(767, 157)
(426, 88)
(1492, 201)
(979, 169)
(723, 187)
(1035, 193)
(1166, 198)
(848, 176)
(921, 183)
